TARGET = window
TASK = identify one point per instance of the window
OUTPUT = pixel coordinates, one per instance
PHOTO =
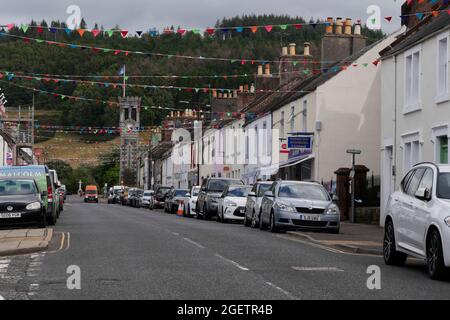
(443, 149)
(411, 154)
(415, 181)
(404, 184)
(412, 80)
(427, 180)
(442, 71)
(305, 116)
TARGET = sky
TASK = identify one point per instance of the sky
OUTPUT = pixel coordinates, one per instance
(145, 14)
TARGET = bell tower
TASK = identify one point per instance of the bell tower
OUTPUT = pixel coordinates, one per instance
(129, 139)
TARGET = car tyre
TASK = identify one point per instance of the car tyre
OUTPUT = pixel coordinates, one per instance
(254, 223)
(247, 223)
(43, 222)
(262, 225)
(205, 213)
(390, 254)
(435, 257)
(273, 227)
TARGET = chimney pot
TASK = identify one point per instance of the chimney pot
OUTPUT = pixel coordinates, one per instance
(292, 49)
(348, 26)
(246, 88)
(357, 31)
(338, 26)
(267, 69)
(260, 70)
(329, 27)
(225, 95)
(284, 51)
(306, 49)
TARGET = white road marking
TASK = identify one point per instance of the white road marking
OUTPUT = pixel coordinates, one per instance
(234, 263)
(1, 298)
(320, 269)
(287, 294)
(194, 243)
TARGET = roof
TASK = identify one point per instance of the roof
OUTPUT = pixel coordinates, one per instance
(418, 34)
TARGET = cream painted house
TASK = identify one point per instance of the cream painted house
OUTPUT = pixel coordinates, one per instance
(415, 115)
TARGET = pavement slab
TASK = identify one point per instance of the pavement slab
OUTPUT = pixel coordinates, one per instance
(24, 241)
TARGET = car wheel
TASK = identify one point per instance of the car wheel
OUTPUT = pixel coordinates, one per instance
(205, 213)
(273, 227)
(43, 222)
(390, 253)
(262, 225)
(247, 223)
(51, 221)
(222, 218)
(254, 223)
(435, 257)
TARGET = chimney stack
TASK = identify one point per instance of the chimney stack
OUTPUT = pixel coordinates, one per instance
(260, 70)
(267, 69)
(292, 49)
(306, 49)
(338, 26)
(241, 88)
(357, 31)
(348, 27)
(284, 51)
(214, 93)
(329, 28)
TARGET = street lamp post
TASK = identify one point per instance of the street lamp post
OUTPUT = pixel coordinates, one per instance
(353, 152)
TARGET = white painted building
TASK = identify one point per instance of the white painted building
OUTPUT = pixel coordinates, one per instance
(415, 117)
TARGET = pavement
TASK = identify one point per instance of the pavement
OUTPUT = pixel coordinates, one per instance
(355, 238)
(128, 253)
(24, 241)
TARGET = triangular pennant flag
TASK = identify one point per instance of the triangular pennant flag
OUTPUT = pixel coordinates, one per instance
(297, 26)
(268, 28)
(24, 27)
(124, 33)
(389, 19)
(40, 29)
(139, 33)
(52, 30)
(181, 31)
(283, 26)
(210, 31)
(376, 62)
(196, 31)
(81, 32)
(419, 15)
(10, 26)
(239, 29)
(254, 29)
(110, 33)
(95, 32)
(68, 31)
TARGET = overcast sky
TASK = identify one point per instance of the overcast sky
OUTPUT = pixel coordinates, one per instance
(143, 14)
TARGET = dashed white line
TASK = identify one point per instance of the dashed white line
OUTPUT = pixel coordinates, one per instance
(319, 269)
(194, 243)
(237, 265)
(287, 294)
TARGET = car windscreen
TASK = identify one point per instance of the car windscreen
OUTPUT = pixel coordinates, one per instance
(302, 191)
(443, 190)
(147, 194)
(240, 192)
(181, 193)
(263, 188)
(163, 191)
(91, 191)
(17, 187)
(221, 185)
(195, 192)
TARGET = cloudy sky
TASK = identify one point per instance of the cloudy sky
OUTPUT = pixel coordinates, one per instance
(144, 14)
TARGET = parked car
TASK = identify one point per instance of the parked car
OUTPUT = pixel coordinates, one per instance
(168, 197)
(124, 196)
(293, 205)
(160, 196)
(115, 194)
(176, 198)
(135, 197)
(231, 205)
(64, 190)
(45, 182)
(22, 202)
(253, 205)
(91, 194)
(61, 194)
(148, 199)
(190, 201)
(210, 192)
(418, 219)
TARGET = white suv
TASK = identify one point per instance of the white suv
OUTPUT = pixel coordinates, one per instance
(418, 219)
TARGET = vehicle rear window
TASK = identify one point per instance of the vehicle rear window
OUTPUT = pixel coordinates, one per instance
(163, 190)
(221, 185)
(91, 192)
(301, 191)
(181, 193)
(195, 192)
(263, 188)
(241, 192)
(17, 187)
(444, 186)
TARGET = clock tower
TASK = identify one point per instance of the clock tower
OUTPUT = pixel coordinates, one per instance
(129, 139)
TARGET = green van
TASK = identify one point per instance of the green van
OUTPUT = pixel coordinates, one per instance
(42, 176)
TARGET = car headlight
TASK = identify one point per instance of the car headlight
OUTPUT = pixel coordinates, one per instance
(228, 203)
(447, 221)
(286, 207)
(333, 209)
(33, 206)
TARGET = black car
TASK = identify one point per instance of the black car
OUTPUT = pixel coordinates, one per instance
(21, 202)
(160, 196)
(211, 191)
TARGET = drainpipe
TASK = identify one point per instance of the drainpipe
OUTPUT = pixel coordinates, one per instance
(395, 125)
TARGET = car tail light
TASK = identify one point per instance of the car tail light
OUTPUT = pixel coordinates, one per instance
(50, 194)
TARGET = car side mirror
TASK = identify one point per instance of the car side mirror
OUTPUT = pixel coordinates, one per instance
(335, 198)
(203, 189)
(268, 194)
(423, 194)
(252, 195)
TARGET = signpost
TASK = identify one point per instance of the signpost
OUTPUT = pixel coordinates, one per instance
(353, 152)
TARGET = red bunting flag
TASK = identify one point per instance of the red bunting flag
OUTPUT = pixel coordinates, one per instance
(389, 19)
(81, 32)
(95, 32)
(268, 28)
(297, 26)
(254, 29)
(117, 52)
(210, 31)
(40, 29)
(181, 31)
(124, 33)
(376, 62)
(10, 26)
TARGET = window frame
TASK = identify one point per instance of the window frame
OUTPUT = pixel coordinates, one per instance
(410, 106)
(443, 96)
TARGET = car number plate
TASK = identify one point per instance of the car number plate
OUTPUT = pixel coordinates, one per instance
(242, 210)
(309, 218)
(10, 215)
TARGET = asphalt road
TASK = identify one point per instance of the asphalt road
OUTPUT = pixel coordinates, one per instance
(127, 253)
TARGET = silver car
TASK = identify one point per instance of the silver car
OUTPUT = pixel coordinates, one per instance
(293, 205)
(253, 205)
